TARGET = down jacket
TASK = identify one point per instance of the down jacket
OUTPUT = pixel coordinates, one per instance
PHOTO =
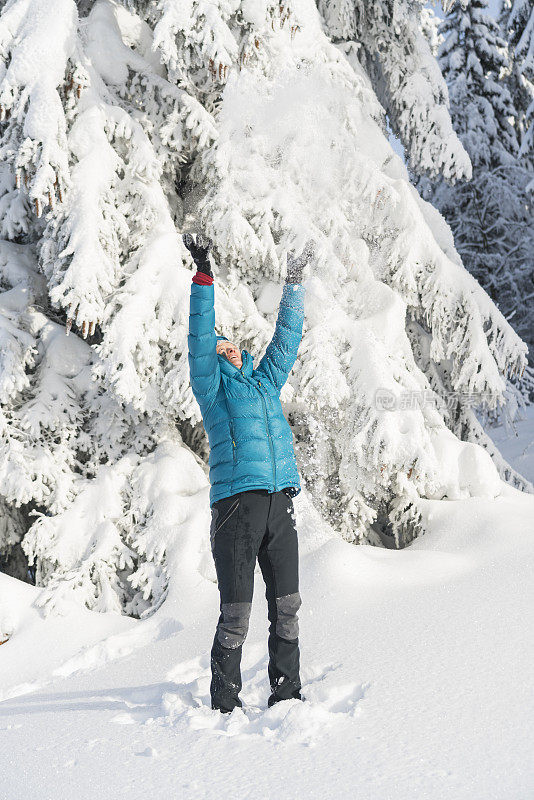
(251, 442)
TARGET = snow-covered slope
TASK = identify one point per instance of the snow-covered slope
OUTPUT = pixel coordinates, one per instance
(417, 666)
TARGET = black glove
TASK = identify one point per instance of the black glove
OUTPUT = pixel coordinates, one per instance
(296, 265)
(199, 252)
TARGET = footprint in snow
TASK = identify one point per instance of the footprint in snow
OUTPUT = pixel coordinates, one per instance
(329, 700)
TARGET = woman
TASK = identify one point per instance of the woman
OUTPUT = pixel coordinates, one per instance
(253, 476)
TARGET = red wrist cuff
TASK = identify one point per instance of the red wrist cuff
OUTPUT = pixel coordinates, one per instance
(202, 279)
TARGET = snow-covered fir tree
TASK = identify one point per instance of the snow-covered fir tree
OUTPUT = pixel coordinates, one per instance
(517, 22)
(491, 216)
(124, 124)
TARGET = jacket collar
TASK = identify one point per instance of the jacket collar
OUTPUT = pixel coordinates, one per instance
(232, 371)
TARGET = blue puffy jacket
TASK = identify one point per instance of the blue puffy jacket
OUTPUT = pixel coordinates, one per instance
(251, 442)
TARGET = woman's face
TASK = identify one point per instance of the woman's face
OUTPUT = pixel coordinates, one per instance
(231, 352)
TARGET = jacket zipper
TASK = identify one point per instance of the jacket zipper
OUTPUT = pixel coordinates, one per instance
(271, 448)
(233, 440)
(273, 465)
(228, 515)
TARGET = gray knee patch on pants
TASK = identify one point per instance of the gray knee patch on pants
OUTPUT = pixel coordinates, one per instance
(287, 623)
(232, 631)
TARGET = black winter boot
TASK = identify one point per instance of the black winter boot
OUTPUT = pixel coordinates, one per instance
(275, 699)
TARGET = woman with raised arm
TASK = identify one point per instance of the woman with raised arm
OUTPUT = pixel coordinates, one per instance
(253, 476)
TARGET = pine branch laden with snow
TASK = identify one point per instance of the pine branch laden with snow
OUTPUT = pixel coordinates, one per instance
(132, 510)
(430, 28)
(406, 77)
(521, 23)
(248, 121)
(459, 416)
(34, 58)
(517, 23)
(200, 42)
(41, 414)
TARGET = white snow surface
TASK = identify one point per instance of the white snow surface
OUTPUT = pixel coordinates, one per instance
(416, 666)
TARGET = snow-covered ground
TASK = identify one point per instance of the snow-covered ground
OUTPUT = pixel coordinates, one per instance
(417, 666)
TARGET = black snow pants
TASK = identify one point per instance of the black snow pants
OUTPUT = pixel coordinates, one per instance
(251, 525)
